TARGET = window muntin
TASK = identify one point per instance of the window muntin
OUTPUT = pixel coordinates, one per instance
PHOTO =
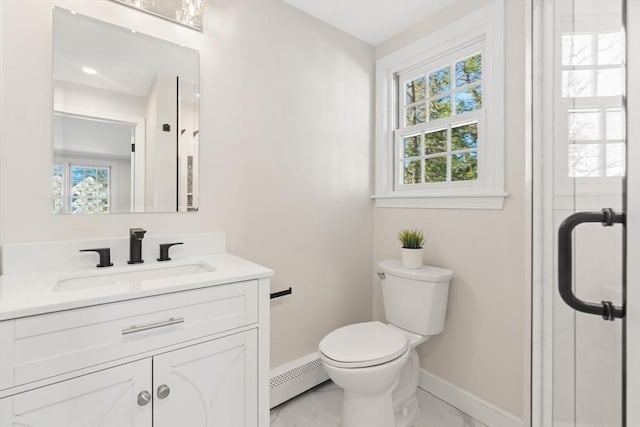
(441, 146)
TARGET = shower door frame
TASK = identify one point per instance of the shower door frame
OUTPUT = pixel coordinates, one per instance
(633, 213)
(541, 296)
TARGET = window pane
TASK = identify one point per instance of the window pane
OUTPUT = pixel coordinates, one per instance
(576, 83)
(415, 115)
(584, 160)
(57, 202)
(469, 70)
(440, 108)
(464, 166)
(464, 137)
(577, 49)
(414, 90)
(615, 125)
(435, 142)
(616, 159)
(411, 146)
(439, 81)
(435, 169)
(584, 125)
(469, 100)
(610, 49)
(90, 172)
(610, 82)
(412, 172)
(102, 176)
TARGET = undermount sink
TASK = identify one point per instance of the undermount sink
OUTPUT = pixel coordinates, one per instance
(129, 276)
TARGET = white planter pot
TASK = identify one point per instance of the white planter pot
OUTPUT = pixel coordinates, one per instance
(411, 258)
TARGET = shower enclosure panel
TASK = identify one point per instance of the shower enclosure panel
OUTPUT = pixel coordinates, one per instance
(581, 130)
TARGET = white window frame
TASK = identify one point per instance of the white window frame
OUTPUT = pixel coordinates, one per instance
(484, 26)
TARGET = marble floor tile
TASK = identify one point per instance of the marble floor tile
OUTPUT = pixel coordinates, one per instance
(321, 406)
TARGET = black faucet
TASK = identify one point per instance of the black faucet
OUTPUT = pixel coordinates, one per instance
(135, 245)
(105, 256)
(164, 251)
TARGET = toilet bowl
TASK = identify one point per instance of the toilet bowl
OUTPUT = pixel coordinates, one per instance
(375, 363)
(365, 359)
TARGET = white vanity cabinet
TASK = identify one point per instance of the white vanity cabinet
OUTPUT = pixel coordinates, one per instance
(195, 358)
(204, 385)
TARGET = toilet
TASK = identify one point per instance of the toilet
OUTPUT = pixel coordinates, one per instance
(376, 363)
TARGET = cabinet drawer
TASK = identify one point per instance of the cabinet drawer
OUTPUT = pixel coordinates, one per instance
(52, 344)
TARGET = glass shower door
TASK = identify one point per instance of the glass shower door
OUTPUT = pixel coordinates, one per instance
(583, 156)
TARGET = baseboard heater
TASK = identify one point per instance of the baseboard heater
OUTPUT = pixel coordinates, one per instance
(296, 377)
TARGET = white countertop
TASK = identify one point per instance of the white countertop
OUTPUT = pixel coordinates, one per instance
(29, 294)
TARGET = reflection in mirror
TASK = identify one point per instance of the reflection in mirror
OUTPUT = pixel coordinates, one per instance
(185, 12)
(126, 120)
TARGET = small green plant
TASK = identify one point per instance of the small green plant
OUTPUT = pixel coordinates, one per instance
(411, 238)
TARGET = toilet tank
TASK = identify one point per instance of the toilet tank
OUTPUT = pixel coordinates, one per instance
(415, 299)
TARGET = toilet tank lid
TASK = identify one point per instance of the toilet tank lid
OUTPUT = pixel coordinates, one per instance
(427, 273)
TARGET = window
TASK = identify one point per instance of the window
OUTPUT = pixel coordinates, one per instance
(438, 141)
(81, 189)
(440, 126)
(592, 85)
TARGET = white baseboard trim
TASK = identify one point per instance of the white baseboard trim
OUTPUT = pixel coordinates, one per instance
(468, 403)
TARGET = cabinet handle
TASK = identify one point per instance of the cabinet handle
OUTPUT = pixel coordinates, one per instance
(163, 391)
(144, 397)
(153, 325)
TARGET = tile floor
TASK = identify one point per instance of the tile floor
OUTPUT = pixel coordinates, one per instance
(320, 407)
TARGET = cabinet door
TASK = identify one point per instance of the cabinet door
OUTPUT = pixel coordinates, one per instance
(107, 398)
(209, 385)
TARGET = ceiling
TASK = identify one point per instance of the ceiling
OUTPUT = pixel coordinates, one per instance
(372, 21)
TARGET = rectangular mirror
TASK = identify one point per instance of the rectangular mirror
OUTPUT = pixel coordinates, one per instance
(125, 121)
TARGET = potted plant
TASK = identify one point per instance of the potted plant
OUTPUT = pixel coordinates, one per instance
(412, 241)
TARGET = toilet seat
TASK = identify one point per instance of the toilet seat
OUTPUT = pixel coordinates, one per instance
(363, 345)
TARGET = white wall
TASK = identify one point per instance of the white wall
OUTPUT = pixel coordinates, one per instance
(92, 137)
(293, 150)
(483, 347)
(71, 97)
(285, 152)
(161, 149)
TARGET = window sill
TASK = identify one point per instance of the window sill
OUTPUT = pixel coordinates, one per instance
(494, 201)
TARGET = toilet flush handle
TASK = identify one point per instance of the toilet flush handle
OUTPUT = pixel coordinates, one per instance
(381, 276)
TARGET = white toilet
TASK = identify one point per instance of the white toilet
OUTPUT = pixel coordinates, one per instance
(375, 363)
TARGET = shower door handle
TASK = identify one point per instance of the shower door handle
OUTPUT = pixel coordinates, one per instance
(607, 217)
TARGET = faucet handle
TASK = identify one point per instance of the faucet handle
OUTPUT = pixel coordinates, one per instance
(164, 250)
(105, 256)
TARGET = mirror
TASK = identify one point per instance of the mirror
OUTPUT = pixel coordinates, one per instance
(125, 121)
